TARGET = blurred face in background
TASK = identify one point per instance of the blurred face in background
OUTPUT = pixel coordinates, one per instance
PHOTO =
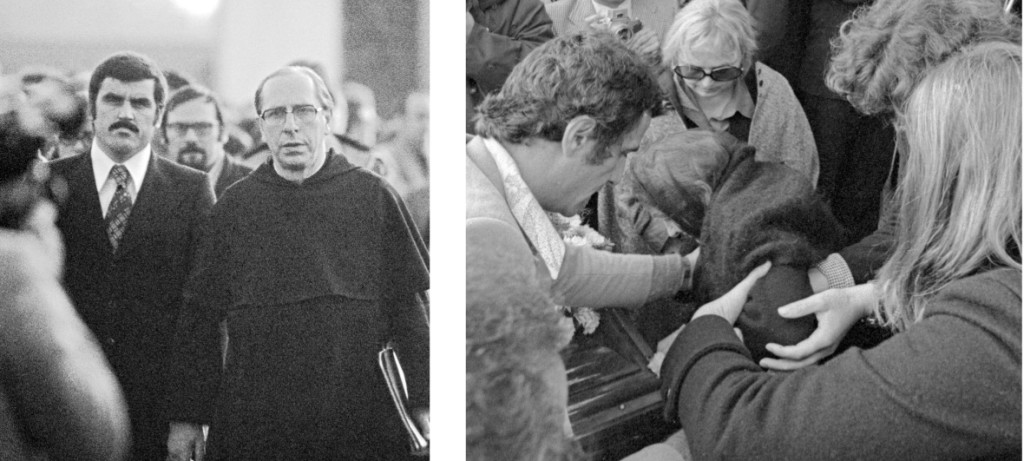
(194, 136)
(417, 116)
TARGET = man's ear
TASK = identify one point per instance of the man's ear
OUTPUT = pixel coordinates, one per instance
(580, 132)
(222, 136)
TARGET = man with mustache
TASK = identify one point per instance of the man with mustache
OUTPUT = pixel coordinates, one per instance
(193, 128)
(129, 225)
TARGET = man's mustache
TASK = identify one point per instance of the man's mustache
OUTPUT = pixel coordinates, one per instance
(124, 124)
(192, 149)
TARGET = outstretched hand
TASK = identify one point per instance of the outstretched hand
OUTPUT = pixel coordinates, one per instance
(731, 304)
(836, 310)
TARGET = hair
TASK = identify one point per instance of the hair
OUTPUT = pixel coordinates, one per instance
(960, 197)
(176, 80)
(724, 23)
(883, 51)
(512, 336)
(591, 74)
(127, 66)
(322, 92)
(191, 93)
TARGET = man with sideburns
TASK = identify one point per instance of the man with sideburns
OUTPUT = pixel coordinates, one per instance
(193, 128)
(130, 224)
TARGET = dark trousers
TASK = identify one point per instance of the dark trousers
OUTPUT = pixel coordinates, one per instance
(855, 153)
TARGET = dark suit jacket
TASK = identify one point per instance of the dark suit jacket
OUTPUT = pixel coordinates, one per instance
(232, 172)
(130, 300)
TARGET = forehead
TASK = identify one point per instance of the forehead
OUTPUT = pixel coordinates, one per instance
(710, 53)
(136, 89)
(196, 110)
(288, 90)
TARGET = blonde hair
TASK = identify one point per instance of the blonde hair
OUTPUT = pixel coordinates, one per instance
(720, 22)
(960, 196)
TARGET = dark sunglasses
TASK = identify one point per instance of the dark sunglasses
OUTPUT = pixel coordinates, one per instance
(721, 74)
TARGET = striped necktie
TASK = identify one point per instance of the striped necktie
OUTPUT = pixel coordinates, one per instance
(120, 206)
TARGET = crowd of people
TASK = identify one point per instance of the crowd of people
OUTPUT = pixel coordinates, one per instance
(166, 297)
(844, 221)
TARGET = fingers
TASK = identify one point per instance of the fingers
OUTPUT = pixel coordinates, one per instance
(752, 278)
(809, 305)
(817, 341)
(790, 365)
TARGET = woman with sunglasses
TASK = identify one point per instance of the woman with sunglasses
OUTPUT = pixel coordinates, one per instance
(717, 85)
(947, 385)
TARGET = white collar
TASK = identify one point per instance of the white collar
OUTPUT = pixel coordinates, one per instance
(215, 171)
(136, 165)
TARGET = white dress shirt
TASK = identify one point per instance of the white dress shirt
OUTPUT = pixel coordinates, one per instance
(105, 184)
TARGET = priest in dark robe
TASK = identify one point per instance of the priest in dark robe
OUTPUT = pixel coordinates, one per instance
(314, 264)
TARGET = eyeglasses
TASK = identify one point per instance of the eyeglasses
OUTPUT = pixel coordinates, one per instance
(202, 129)
(304, 114)
(721, 74)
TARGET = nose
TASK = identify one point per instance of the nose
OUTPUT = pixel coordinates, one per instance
(191, 134)
(290, 123)
(126, 111)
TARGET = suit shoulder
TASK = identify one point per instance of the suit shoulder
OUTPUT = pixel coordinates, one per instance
(62, 165)
(180, 173)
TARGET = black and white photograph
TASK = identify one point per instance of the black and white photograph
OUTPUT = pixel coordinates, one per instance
(694, 230)
(215, 241)
(743, 230)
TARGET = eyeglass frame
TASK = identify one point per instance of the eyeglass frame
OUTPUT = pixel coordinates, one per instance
(291, 110)
(176, 127)
(705, 73)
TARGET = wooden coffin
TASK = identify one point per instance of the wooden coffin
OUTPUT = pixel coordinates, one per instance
(614, 400)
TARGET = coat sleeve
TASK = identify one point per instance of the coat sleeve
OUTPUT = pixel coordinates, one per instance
(197, 361)
(947, 388)
(406, 302)
(868, 255)
(492, 52)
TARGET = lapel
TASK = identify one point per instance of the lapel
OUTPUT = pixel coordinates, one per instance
(83, 205)
(155, 199)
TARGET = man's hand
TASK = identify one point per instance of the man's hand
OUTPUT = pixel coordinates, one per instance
(731, 304)
(594, 22)
(422, 418)
(469, 24)
(646, 44)
(836, 310)
(186, 442)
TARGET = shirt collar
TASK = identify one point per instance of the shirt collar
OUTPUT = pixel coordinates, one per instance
(136, 165)
(215, 171)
